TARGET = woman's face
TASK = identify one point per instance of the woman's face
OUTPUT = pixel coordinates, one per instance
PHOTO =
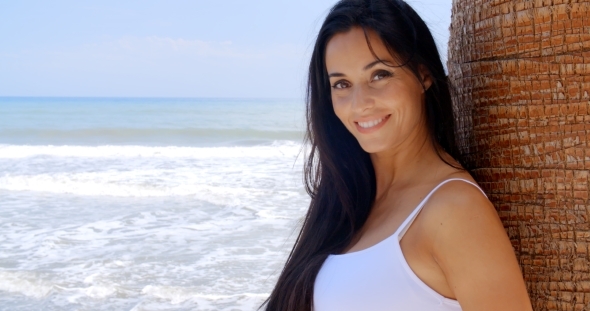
(380, 105)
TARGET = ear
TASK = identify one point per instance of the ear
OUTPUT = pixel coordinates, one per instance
(426, 77)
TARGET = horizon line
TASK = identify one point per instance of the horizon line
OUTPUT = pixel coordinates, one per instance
(150, 97)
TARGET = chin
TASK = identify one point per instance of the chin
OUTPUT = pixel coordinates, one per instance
(372, 147)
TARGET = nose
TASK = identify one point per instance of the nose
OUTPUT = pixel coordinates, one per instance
(361, 99)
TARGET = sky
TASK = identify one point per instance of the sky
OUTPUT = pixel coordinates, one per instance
(177, 48)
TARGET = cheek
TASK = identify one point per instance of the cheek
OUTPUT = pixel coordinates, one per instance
(407, 99)
(339, 109)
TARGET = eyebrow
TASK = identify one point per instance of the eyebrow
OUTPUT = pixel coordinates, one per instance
(369, 66)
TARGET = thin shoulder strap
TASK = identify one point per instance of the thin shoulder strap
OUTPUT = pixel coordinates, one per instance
(408, 222)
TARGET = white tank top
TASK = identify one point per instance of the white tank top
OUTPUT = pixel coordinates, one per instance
(378, 278)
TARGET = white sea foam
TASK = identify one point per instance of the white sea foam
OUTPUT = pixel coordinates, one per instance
(278, 148)
(25, 283)
(223, 175)
(177, 295)
(179, 226)
(169, 227)
(126, 185)
(99, 292)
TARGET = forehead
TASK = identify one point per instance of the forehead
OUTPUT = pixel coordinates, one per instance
(349, 50)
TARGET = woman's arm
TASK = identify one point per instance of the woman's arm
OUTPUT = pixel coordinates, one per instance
(474, 251)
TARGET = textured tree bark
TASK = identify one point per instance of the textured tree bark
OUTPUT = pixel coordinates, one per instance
(521, 76)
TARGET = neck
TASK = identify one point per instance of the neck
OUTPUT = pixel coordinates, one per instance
(411, 162)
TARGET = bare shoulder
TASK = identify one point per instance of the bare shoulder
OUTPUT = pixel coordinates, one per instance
(458, 213)
(472, 248)
(458, 200)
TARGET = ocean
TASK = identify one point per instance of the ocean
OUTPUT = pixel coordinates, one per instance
(147, 203)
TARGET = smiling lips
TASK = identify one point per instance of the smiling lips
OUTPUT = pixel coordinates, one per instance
(372, 125)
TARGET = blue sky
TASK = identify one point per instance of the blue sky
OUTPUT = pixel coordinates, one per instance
(198, 48)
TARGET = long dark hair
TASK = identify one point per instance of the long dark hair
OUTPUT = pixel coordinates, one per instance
(339, 174)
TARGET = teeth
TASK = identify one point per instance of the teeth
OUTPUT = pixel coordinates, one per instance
(369, 124)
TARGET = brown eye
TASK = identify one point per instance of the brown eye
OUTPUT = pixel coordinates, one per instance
(340, 85)
(380, 75)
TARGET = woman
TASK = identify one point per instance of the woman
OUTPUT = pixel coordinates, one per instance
(384, 165)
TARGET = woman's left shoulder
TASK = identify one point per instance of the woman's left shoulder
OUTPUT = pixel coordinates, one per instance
(472, 248)
(461, 195)
(460, 206)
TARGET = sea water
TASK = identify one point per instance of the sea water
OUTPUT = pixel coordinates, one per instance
(147, 204)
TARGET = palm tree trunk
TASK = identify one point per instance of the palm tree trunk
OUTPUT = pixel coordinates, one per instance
(521, 76)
